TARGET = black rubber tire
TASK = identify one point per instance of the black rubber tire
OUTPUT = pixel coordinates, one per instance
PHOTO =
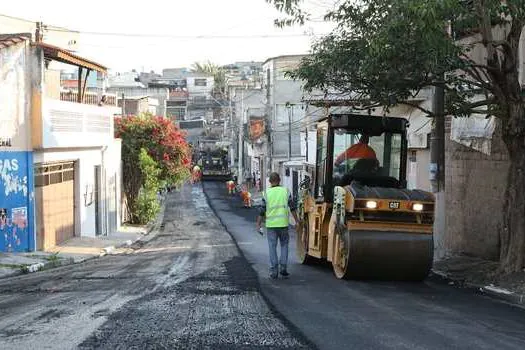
(300, 250)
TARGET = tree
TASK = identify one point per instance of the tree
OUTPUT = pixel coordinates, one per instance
(383, 51)
(219, 76)
(163, 142)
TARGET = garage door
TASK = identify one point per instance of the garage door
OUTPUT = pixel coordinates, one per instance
(55, 203)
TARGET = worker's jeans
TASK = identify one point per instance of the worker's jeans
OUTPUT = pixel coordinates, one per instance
(281, 234)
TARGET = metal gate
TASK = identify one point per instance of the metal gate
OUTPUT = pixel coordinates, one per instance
(55, 203)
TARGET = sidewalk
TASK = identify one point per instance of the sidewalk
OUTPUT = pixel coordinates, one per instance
(78, 249)
(75, 250)
(482, 276)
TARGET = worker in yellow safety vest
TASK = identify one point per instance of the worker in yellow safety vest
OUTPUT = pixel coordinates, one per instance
(277, 204)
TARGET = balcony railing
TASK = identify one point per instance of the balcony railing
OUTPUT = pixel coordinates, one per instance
(90, 98)
(70, 124)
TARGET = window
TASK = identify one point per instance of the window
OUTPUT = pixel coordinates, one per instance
(49, 174)
(177, 113)
(322, 140)
(268, 82)
(356, 153)
(199, 99)
(200, 82)
(175, 103)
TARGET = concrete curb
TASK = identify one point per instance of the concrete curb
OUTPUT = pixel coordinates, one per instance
(40, 266)
(490, 290)
(151, 232)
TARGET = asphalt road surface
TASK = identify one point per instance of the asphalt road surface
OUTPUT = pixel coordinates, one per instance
(335, 314)
(188, 288)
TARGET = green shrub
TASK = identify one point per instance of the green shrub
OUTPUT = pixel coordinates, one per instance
(147, 207)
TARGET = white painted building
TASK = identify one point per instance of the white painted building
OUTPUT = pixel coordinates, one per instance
(289, 116)
(78, 144)
(73, 173)
(199, 85)
(161, 95)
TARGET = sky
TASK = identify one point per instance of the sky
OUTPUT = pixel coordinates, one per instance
(176, 33)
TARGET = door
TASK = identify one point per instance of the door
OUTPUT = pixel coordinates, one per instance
(112, 204)
(97, 195)
(55, 203)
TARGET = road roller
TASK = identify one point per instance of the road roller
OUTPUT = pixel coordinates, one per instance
(357, 212)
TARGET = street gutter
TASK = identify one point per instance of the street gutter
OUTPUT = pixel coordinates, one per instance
(491, 291)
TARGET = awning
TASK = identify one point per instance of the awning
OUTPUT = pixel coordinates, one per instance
(61, 55)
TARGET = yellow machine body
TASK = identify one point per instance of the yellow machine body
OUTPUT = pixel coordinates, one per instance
(368, 231)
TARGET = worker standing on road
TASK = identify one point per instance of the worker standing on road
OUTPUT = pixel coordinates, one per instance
(230, 186)
(196, 174)
(246, 197)
(277, 203)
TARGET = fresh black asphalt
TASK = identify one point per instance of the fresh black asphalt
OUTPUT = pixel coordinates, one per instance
(194, 287)
(188, 288)
(335, 314)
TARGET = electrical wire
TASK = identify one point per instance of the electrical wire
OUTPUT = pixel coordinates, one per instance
(170, 36)
(17, 18)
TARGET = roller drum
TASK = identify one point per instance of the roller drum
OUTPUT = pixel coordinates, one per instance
(389, 255)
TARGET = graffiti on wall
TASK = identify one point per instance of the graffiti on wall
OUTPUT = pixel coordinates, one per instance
(16, 228)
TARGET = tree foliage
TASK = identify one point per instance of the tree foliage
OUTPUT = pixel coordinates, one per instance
(384, 51)
(163, 142)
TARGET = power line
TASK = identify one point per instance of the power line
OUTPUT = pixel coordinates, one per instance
(196, 37)
(18, 18)
(46, 26)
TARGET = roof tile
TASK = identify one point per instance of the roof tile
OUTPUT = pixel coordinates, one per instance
(7, 40)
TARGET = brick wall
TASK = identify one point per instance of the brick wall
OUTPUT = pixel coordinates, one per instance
(474, 193)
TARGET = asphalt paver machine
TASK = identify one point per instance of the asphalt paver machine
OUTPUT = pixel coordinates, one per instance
(358, 213)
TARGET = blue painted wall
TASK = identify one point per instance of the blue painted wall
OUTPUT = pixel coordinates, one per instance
(17, 216)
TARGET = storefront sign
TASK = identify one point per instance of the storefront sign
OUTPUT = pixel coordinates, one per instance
(6, 142)
(257, 126)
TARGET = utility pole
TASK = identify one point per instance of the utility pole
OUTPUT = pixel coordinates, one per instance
(437, 138)
(232, 132)
(290, 114)
(39, 33)
(306, 142)
(241, 143)
(123, 105)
